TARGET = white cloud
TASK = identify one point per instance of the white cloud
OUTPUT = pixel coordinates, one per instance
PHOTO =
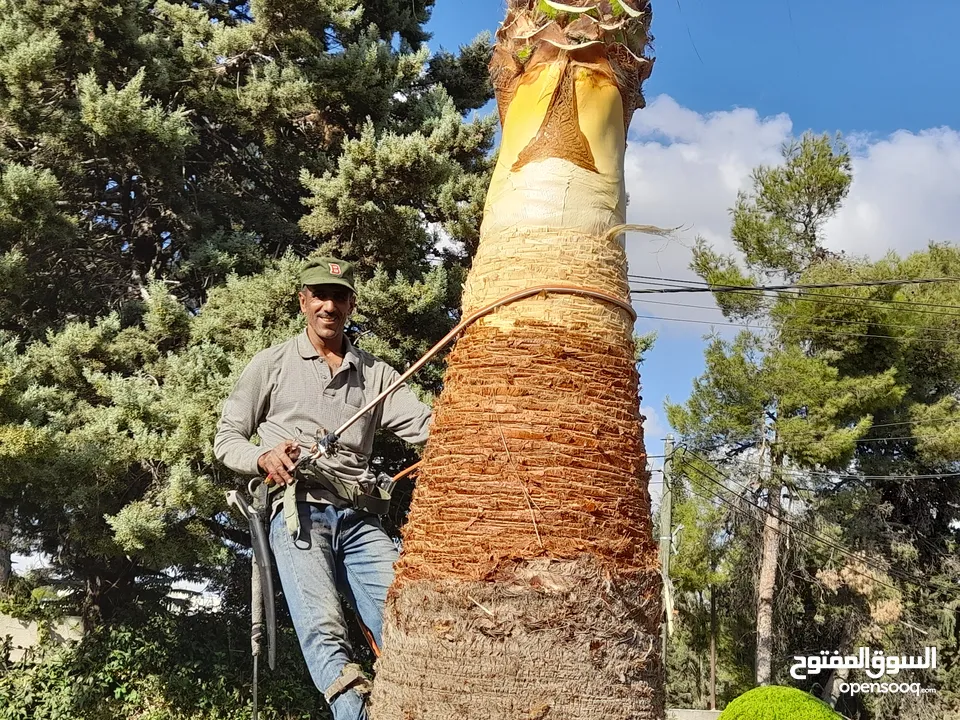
(905, 193)
(684, 169)
(654, 431)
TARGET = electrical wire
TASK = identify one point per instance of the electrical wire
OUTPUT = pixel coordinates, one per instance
(798, 292)
(884, 303)
(847, 300)
(713, 494)
(900, 438)
(835, 333)
(840, 475)
(899, 574)
(714, 308)
(921, 436)
(792, 286)
(803, 290)
(915, 422)
(730, 480)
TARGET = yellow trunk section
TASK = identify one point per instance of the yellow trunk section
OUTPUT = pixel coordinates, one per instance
(548, 220)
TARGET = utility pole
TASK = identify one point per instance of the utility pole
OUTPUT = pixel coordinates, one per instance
(666, 542)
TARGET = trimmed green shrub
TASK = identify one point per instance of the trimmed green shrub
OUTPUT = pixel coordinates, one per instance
(778, 703)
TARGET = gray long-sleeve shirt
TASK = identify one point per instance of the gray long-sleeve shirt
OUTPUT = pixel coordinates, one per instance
(289, 387)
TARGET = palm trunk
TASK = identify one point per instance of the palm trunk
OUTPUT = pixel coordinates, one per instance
(528, 586)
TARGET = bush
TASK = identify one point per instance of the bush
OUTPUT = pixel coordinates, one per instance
(778, 703)
(161, 667)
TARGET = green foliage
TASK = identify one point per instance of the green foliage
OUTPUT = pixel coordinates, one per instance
(642, 345)
(701, 566)
(125, 117)
(777, 226)
(722, 270)
(370, 203)
(465, 76)
(164, 169)
(31, 599)
(846, 407)
(163, 667)
(175, 136)
(778, 703)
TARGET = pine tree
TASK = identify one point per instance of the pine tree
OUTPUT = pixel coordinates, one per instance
(846, 412)
(896, 503)
(766, 394)
(163, 168)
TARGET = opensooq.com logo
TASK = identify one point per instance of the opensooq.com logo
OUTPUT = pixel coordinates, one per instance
(875, 666)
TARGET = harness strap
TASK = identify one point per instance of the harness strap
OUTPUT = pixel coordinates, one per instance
(291, 516)
(377, 503)
(351, 676)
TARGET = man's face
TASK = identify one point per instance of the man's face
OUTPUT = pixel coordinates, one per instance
(326, 308)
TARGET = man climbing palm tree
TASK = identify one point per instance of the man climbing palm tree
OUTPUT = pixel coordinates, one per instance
(325, 533)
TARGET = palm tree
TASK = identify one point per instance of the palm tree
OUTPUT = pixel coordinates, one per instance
(528, 586)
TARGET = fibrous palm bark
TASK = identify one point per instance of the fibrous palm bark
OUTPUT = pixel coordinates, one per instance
(528, 586)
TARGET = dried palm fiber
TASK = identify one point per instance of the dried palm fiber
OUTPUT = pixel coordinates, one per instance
(528, 586)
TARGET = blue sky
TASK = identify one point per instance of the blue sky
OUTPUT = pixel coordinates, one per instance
(737, 78)
(851, 65)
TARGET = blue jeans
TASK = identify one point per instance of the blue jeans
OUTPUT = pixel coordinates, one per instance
(338, 552)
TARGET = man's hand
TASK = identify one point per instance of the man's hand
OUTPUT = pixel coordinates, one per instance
(277, 463)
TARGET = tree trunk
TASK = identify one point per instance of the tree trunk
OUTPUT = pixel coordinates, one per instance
(529, 586)
(831, 690)
(766, 587)
(6, 542)
(713, 647)
(108, 589)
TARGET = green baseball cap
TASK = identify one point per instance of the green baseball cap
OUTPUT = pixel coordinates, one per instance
(327, 271)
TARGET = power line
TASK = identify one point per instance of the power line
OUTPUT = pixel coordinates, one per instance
(890, 571)
(816, 319)
(921, 436)
(798, 293)
(791, 286)
(689, 33)
(882, 304)
(915, 422)
(805, 296)
(712, 494)
(839, 474)
(836, 333)
(906, 577)
(733, 506)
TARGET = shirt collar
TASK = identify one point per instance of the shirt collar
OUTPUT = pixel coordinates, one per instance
(309, 352)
